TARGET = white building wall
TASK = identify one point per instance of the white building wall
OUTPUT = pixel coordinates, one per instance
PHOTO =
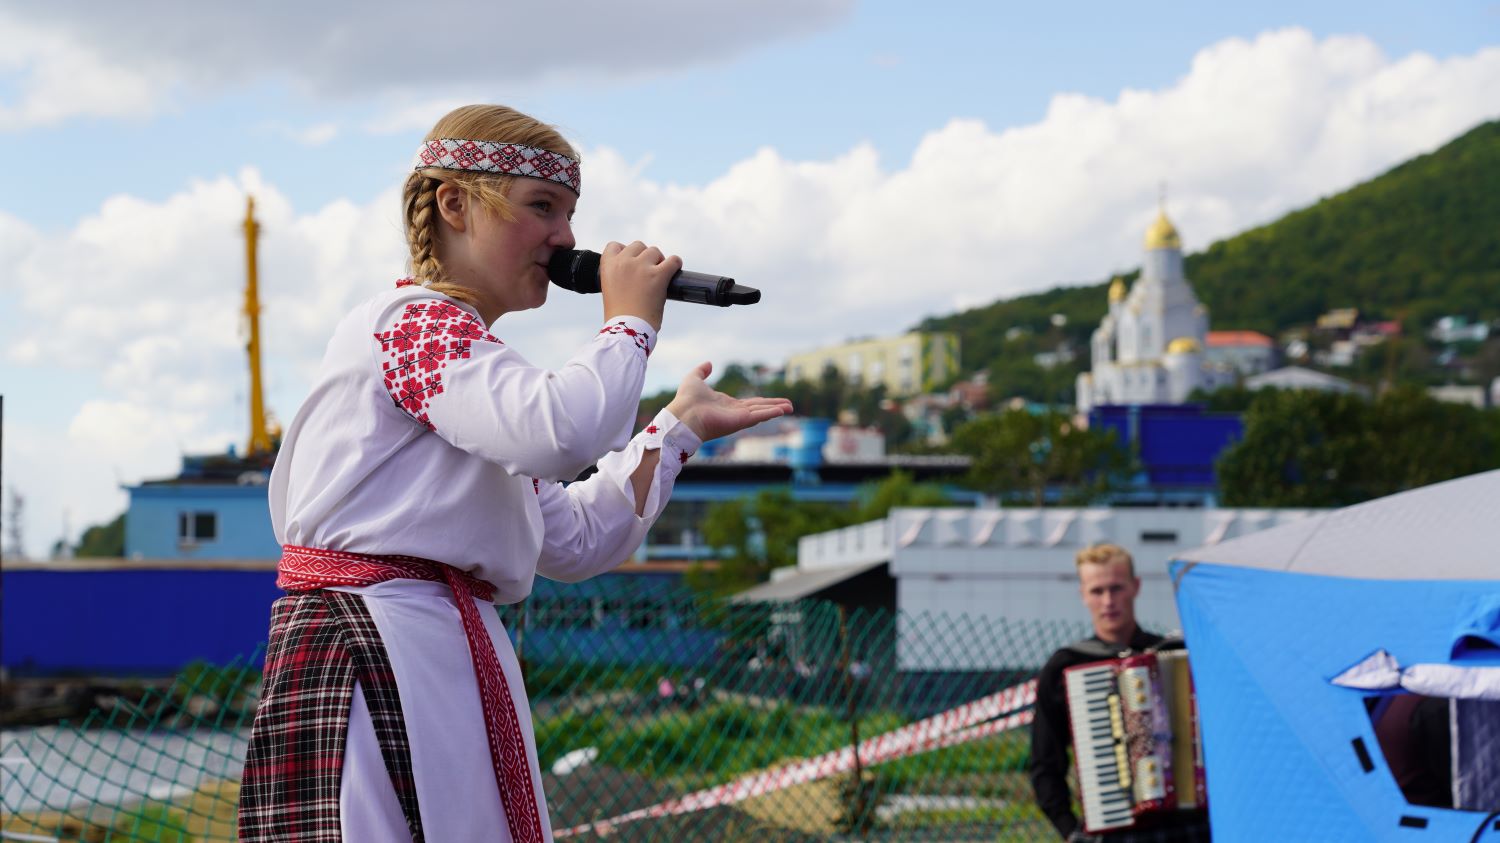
(989, 566)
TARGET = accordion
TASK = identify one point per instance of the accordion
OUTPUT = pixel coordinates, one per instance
(1135, 738)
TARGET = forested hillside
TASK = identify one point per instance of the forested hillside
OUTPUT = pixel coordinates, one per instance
(1417, 242)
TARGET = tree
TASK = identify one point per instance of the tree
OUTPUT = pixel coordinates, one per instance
(755, 535)
(652, 404)
(103, 540)
(1020, 455)
(1228, 399)
(875, 500)
(1301, 449)
(1319, 449)
(735, 380)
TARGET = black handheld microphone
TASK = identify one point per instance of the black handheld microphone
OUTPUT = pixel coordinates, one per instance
(578, 270)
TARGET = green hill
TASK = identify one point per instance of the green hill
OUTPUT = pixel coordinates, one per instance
(1417, 242)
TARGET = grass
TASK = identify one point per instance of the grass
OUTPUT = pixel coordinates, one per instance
(726, 739)
(207, 813)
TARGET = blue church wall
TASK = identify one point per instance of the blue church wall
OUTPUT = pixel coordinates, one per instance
(1178, 443)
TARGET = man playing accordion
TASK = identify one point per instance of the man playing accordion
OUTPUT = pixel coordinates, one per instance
(1109, 585)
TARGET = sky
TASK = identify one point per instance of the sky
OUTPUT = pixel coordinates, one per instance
(865, 164)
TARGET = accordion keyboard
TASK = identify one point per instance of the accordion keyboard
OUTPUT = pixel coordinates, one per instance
(1099, 747)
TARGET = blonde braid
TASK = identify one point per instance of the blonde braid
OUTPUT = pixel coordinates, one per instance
(420, 200)
(419, 197)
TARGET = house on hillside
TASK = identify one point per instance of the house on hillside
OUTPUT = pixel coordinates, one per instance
(1299, 377)
(1245, 352)
(1455, 329)
(905, 365)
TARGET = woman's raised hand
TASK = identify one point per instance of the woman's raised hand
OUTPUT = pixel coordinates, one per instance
(634, 281)
(711, 414)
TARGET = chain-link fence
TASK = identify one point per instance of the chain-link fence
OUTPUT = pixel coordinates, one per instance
(662, 716)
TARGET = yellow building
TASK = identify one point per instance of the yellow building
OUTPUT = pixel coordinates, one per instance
(910, 364)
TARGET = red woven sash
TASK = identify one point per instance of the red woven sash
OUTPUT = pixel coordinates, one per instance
(307, 568)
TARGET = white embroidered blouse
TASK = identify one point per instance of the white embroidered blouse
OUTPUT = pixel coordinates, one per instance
(427, 436)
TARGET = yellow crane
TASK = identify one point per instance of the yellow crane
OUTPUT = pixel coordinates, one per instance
(260, 431)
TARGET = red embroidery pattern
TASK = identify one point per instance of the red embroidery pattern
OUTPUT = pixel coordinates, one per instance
(536, 485)
(306, 568)
(653, 430)
(501, 725)
(642, 339)
(405, 282)
(427, 335)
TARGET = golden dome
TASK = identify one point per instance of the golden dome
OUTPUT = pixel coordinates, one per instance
(1117, 290)
(1184, 345)
(1162, 234)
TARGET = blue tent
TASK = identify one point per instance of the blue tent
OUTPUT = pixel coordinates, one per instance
(1298, 634)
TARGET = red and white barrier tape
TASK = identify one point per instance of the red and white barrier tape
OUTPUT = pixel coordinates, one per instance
(981, 718)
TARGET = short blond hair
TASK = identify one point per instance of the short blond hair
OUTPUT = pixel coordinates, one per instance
(419, 196)
(1103, 554)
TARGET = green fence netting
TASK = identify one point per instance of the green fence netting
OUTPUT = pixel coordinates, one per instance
(659, 716)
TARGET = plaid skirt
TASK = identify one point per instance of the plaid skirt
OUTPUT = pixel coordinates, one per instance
(321, 643)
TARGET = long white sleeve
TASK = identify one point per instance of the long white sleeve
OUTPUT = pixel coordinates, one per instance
(445, 370)
(591, 525)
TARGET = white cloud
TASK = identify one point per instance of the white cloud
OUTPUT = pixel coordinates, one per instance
(69, 476)
(102, 58)
(413, 117)
(59, 76)
(854, 246)
(317, 134)
(843, 247)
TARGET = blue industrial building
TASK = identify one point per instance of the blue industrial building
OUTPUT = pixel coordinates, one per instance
(152, 618)
(132, 619)
(214, 509)
(217, 507)
(199, 574)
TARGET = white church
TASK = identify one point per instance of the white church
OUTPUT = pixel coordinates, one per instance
(1149, 348)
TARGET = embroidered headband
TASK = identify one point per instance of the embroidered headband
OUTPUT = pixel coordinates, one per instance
(509, 159)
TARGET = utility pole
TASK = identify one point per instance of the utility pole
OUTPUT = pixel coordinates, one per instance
(13, 514)
(13, 525)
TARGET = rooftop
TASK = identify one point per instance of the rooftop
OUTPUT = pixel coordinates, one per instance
(1222, 339)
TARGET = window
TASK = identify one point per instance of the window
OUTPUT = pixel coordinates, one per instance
(195, 527)
(1159, 536)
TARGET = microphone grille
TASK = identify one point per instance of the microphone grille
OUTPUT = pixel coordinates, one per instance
(575, 269)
